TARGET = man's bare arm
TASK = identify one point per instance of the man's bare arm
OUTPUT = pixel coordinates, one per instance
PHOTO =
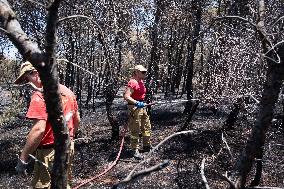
(33, 139)
(127, 95)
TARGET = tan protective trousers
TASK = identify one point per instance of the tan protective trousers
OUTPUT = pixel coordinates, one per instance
(139, 122)
(42, 174)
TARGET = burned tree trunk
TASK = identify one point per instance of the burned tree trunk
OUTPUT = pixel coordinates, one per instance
(45, 63)
(275, 76)
(153, 68)
(191, 52)
(272, 87)
(258, 171)
(232, 118)
(110, 93)
(190, 115)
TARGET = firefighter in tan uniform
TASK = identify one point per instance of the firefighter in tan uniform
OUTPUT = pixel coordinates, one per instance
(40, 139)
(139, 121)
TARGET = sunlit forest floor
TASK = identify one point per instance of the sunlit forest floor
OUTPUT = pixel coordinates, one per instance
(95, 151)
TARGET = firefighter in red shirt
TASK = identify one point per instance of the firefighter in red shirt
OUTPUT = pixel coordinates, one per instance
(40, 139)
(139, 121)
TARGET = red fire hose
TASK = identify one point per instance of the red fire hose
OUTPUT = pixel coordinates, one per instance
(86, 181)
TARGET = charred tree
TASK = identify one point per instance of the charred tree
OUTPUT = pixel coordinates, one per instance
(275, 76)
(153, 68)
(190, 115)
(271, 91)
(192, 43)
(258, 171)
(233, 115)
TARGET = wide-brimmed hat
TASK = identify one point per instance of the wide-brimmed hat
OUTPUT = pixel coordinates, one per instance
(140, 68)
(25, 68)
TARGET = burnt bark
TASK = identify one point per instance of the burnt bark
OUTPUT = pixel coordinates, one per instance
(192, 43)
(190, 115)
(153, 67)
(110, 93)
(258, 171)
(232, 118)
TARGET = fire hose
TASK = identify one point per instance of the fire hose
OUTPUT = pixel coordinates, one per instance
(86, 181)
(168, 102)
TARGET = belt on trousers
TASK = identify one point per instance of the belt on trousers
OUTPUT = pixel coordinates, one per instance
(48, 146)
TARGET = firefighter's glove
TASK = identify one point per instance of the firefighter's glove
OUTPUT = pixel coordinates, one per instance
(21, 167)
(139, 104)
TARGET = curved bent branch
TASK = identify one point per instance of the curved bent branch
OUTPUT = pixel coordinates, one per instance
(142, 173)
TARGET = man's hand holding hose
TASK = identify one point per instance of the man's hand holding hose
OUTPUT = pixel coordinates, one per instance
(140, 104)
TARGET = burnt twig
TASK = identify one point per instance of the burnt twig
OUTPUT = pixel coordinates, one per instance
(142, 173)
(130, 175)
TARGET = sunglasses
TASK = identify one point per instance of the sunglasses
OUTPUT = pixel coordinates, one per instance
(29, 72)
(143, 72)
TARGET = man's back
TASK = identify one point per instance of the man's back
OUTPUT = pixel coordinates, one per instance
(69, 104)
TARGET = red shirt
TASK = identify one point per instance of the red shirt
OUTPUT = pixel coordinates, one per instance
(37, 110)
(139, 89)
